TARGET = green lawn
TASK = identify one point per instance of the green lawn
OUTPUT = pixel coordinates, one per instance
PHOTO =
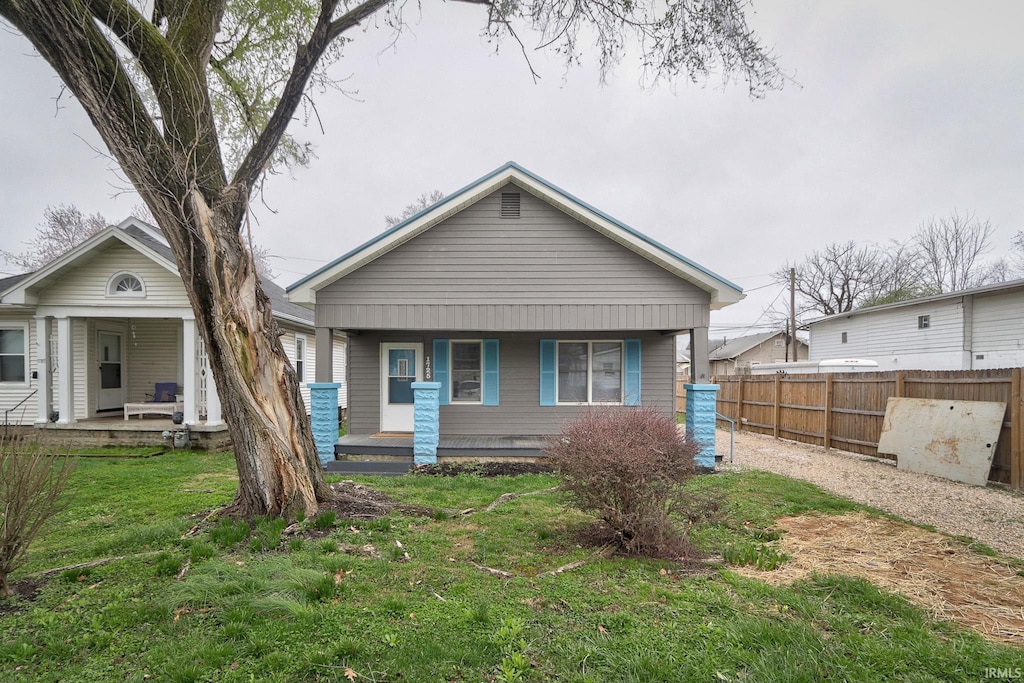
(309, 611)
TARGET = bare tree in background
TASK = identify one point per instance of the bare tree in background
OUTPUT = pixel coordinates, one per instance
(900, 274)
(835, 279)
(63, 228)
(951, 248)
(1017, 255)
(423, 201)
(194, 100)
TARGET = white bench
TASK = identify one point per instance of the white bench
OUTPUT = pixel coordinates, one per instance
(153, 408)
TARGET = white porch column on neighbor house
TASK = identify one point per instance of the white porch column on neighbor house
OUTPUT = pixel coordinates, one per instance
(65, 372)
(213, 417)
(44, 380)
(189, 369)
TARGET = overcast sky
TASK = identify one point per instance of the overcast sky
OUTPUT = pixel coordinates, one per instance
(904, 110)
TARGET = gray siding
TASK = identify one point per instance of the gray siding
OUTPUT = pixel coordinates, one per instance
(542, 271)
(519, 411)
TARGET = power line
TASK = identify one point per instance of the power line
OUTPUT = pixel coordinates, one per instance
(765, 311)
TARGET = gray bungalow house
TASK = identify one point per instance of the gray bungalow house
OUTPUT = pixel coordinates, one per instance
(519, 305)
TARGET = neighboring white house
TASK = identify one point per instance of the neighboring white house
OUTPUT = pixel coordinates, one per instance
(100, 326)
(973, 329)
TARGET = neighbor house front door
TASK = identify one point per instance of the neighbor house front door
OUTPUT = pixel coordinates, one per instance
(110, 391)
(401, 364)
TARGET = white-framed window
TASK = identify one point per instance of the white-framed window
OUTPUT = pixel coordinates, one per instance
(125, 284)
(466, 371)
(924, 322)
(300, 357)
(14, 354)
(589, 372)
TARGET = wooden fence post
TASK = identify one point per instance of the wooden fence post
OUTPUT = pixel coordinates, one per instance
(828, 411)
(777, 412)
(739, 406)
(1016, 431)
(900, 384)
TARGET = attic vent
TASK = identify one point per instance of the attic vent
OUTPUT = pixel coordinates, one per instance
(509, 205)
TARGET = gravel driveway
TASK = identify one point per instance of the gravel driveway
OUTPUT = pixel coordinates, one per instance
(991, 515)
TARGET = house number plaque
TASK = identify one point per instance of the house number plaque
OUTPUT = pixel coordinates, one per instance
(426, 367)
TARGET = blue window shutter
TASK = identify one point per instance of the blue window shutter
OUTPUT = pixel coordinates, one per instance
(548, 372)
(490, 389)
(631, 396)
(441, 369)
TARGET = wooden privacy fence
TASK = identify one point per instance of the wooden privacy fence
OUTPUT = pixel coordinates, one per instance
(845, 410)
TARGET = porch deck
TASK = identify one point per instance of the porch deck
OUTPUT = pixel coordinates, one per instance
(113, 430)
(455, 447)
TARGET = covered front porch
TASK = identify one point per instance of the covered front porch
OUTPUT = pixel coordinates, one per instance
(91, 363)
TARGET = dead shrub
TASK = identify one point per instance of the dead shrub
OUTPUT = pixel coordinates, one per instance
(627, 466)
(32, 480)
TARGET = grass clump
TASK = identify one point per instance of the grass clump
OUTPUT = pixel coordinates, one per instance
(325, 520)
(229, 532)
(764, 556)
(266, 534)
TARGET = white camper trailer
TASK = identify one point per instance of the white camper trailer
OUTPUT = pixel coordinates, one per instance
(807, 367)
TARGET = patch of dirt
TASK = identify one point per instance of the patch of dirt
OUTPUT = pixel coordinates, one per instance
(945, 577)
(24, 592)
(991, 515)
(483, 469)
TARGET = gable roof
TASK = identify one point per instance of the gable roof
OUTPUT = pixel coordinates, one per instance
(740, 345)
(147, 240)
(22, 292)
(721, 290)
(986, 289)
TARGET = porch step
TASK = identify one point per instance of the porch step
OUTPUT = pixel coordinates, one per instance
(385, 467)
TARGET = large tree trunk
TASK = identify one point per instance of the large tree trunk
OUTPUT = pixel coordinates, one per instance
(279, 472)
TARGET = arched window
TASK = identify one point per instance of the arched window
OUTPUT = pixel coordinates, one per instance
(126, 284)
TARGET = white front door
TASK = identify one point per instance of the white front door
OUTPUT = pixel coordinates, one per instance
(109, 351)
(400, 366)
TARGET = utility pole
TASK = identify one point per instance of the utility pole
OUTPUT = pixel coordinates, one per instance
(792, 313)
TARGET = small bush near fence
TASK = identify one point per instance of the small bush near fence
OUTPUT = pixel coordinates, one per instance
(32, 480)
(627, 466)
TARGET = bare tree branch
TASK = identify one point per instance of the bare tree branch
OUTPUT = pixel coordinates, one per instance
(952, 247)
(306, 59)
(63, 228)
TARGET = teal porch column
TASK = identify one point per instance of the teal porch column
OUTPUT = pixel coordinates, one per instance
(701, 406)
(426, 422)
(323, 413)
